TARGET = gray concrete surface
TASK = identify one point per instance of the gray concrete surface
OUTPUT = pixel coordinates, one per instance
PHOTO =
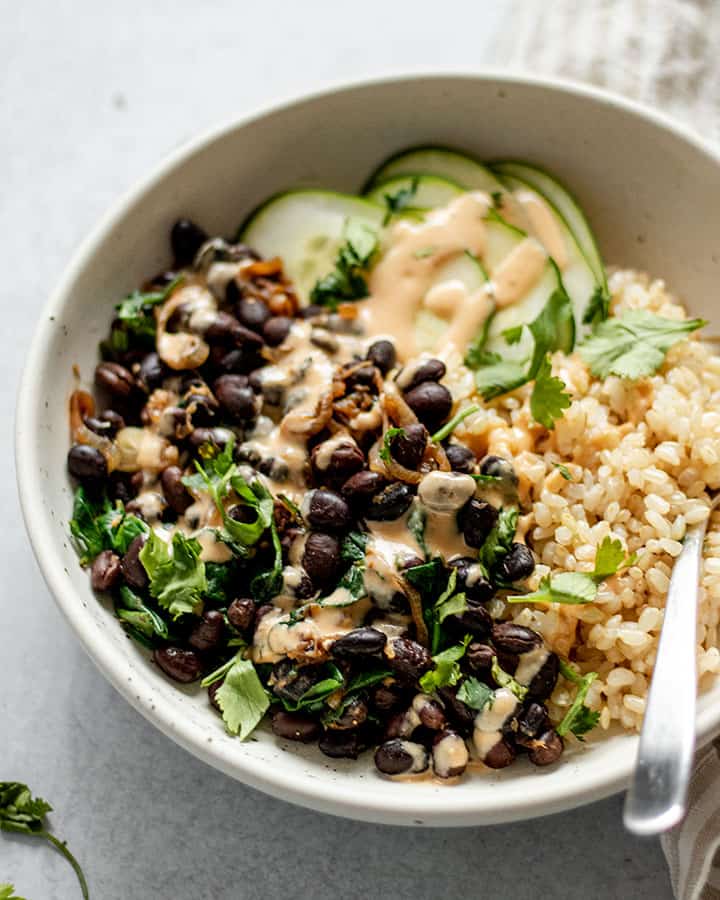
(91, 95)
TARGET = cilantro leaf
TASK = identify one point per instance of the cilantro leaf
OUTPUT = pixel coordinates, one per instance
(354, 546)
(266, 585)
(610, 558)
(450, 426)
(513, 335)
(353, 581)
(476, 355)
(475, 694)
(598, 309)
(497, 543)
(579, 719)
(142, 622)
(567, 587)
(426, 577)
(500, 377)
(22, 813)
(507, 681)
(554, 327)
(635, 344)
(447, 669)
(314, 697)
(390, 434)
(99, 525)
(548, 398)
(177, 579)
(400, 200)
(219, 582)
(347, 281)
(564, 471)
(242, 697)
(135, 322)
(449, 603)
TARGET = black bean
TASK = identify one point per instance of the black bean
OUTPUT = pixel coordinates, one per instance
(276, 329)
(312, 311)
(515, 638)
(461, 458)
(105, 571)
(385, 697)
(132, 569)
(273, 468)
(363, 376)
(390, 503)
(479, 657)
(383, 355)
(543, 684)
(500, 756)
(255, 381)
(252, 313)
(341, 744)
(295, 727)
(471, 579)
(408, 659)
(476, 619)
(397, 756)
(321, 558)
(353, 715)
(431, 714)
(547, 749)
(86, 463)
(531, 723)
(114, 419)
(207, 634)
(476, 520)
(431, 403)
(408, 447)
(202, 409)
(460, 756)
(236, 397)
(152, 372)
(517, 564)
(115, 378)
(326, 510)
(186, 238)
(224, 329)
(261, 611)
(216, 437)
(462, 716)
(430, 370)
(336, 462)
(304, 589)
(290, 683)
(179, 664)
(360, 488)
(499, 468)
(99, 426)
(241, 613)
(359, 643)
(174, 490)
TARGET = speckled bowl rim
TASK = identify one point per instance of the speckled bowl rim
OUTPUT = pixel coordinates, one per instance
(448, 807)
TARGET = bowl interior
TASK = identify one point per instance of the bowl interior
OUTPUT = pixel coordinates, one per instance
(652, 195)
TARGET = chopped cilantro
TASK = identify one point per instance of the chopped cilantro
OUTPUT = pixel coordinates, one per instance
(564, 471)
(475, 694)
(97, 525)
(579, 719)
(507, 681)
(177, 578)
(267, 584)
(354, 546)
(633, 345)
(242, 697)
(548, 398)
(476, 355)
(347, 281)
(447, 668)
(400, 200)
(497, 543)
(138, 619)
(598, 309)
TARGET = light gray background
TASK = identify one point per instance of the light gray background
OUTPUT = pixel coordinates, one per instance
(92, 94)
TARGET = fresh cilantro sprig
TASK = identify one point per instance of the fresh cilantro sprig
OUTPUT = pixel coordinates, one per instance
(347, 280)
(450, 426)
(553, 329)
(580, 587)
(446, 670)
(176, 573)
(241, 697)
(579, 719)
(476, 355)
(633, 345)
(388, 437)
(21, 813)
(475, 694)
(7, 892)
(97, 525)
(400, 200)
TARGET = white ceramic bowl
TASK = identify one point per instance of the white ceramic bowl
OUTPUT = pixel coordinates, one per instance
(652, 193)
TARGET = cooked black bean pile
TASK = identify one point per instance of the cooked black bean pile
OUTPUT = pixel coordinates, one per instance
(178, 385)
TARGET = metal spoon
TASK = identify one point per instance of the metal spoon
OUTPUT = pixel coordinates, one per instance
(657, 797)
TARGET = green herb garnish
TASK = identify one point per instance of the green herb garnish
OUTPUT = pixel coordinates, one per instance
(400, 200)
(7, 892)
(507, 681)
(579, 719)
(450, 426)
(598, 309)
(98, 524)
(241, 697)
(177, 578)
(549, 398)
(475, 694)
(347, 281)
(633, 345)
(497, 543)
(21, 813)
(385, 450)
(138, 619)
(447, 668)
(564, 471)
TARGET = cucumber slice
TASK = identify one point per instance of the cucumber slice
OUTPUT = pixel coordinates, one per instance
(563, 201)
(427, 191)
(306, 228)
(441, 162)
(466, 269)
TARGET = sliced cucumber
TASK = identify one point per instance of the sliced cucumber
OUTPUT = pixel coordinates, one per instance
(466, 269)
(441, 162)
(306, 229)
(563, 201)
(425, 191)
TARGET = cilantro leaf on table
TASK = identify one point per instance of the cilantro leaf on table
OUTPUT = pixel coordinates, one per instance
(347, 280)
(507, 681)
(633, 345)
(21, 813)
(177, 578)
(241, 697)
(400, 200)
(475, 694)
(446, 670)
(598, 309)
(579, 719)
(548, 398)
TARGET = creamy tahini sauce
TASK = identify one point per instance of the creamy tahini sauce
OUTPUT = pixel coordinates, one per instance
(543, 224)
(489, 722)
(516, 274)
(530, 664)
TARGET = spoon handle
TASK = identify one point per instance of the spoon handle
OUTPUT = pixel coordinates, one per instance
(658, 793)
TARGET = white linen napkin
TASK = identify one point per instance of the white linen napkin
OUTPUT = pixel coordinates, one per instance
(665, 53)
